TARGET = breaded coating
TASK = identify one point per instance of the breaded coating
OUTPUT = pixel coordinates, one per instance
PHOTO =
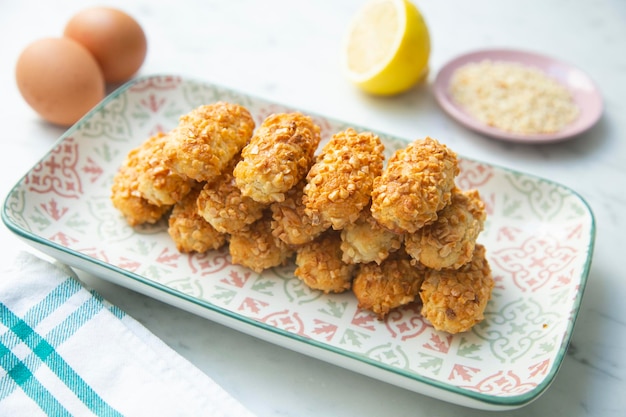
(256, 248)
(415, 185)
(125, 194)
(339, 184)
(278, 156)
(392, 284)
(449, 241)
(157, 183)
(220, 203)
(367, 241)
(289, 221)
(207, 138)
(189, 231)
(454, 300)
(320, 267)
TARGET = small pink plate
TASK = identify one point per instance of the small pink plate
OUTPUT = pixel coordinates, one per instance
(584, 92)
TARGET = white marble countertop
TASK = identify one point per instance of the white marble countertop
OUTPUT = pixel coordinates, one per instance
(288, 51)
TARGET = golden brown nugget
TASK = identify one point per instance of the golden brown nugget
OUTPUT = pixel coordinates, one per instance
(367, 241)
(207, 138)
(289, 221)
(392, 284)
(278, 156)
(415, 185)
(157, 183)
(340, 182)
(126, 197)
(255, 246)
(320, 267)
(449, 241)
(454, 300)
(220, 203)
(189, 231)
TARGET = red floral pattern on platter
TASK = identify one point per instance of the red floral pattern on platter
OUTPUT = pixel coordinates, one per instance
(208, 263)
(463, 373)
(92, 170)
(153, 103)
(53, 209)
(58, 173)
(169, 257)
(157, 83)
(473, 174)
(439, 342)
(406, 323)
(324, 330)
(537, 262)
(236, 278)
(364, 319)
(252, 306)
(502, 382)
(286, 320)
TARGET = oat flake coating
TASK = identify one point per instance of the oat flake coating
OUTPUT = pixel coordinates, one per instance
(340, 182)
(189, 231)
(320, 267)
(157, 183)
(256, 248)
(392, 284)
(278, 156)
(454, 300)
(125, 194)
(207, 138)
(449, 241)
(220, 203)
(289, 221)
(415, 185)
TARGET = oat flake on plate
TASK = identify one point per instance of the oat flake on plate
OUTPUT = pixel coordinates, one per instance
(513, 97)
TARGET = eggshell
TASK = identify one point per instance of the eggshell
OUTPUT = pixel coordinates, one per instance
(114, 38)
(59, 79)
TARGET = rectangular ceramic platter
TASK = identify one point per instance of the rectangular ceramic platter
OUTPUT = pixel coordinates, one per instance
(539, 238)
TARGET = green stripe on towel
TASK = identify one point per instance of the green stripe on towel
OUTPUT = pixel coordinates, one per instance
(20, 372)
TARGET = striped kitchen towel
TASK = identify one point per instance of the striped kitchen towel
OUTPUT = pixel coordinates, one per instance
(64, 351)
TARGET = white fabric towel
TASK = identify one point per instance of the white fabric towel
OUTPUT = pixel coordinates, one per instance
(66, 351)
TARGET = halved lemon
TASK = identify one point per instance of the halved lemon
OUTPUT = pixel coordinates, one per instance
(387, 47)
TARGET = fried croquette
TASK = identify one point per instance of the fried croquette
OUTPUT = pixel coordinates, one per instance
(392, 284)
(320, 267)
(393, 235)
(255, 246)
(454, 300)
(449, 241)
(220, 203)
(189, 231)
(157, 183)
(207, 138)
(289, 221)
(367, 241)
(339, 184)
(125, 194)
(277, 157)
(415, 185)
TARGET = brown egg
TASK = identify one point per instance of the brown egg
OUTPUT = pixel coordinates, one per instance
(114, 38)
(59, 79)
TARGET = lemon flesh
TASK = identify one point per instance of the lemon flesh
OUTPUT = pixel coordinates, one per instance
(387, 47)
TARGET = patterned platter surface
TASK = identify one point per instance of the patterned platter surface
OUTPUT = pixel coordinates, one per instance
(539, 238)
